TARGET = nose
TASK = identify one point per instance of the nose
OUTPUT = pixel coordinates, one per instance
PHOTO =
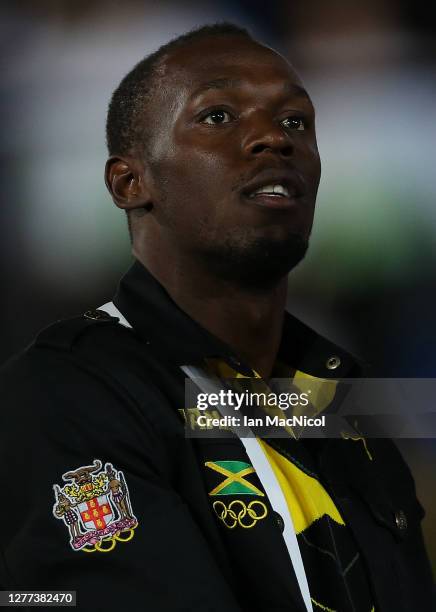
(265, 135)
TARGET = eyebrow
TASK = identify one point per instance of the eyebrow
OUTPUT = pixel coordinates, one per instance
(225, 83)
(296, 90)
(222, 83)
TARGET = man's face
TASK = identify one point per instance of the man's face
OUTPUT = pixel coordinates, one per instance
(234, 159)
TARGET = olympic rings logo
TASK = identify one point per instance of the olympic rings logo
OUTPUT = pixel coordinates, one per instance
(108, 544)
(238, 513)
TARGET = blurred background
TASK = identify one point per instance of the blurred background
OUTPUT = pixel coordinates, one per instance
(369, 281)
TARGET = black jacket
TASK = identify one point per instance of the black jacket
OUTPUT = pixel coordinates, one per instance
(90, 393)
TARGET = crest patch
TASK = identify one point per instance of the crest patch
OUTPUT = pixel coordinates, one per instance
(95, 507)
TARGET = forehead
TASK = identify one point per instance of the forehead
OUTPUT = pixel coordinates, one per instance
(225, 58)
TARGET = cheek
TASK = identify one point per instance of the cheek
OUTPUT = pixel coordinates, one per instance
(315, 160)
(317, 170)
(190, 188)
(310, 165)
(189, 174)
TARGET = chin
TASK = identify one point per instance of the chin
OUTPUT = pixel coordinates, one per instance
(259, 263)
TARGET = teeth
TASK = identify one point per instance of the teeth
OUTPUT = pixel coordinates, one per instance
(276, 189)
(281, 190)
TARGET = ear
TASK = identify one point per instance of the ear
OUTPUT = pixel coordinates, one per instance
(126, 181)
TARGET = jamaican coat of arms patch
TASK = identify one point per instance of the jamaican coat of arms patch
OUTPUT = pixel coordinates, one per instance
(95, 507)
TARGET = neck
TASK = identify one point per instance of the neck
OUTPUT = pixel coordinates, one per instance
(249, 320)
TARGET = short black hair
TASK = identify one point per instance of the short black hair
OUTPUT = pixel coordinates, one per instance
(125, 125)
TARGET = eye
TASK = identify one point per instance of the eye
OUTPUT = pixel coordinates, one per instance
(217, 117)
(293, 123)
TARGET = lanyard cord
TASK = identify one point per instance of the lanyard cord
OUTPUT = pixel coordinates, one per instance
(267, 477)
(259, 461)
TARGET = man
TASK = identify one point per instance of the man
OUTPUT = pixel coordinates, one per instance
(213, 155)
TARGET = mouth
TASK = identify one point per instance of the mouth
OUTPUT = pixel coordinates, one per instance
(277, 190)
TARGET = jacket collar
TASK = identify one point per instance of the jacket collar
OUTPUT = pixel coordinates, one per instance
(158, 320)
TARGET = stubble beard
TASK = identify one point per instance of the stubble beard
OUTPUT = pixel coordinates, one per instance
(244, 259)
(257, 264)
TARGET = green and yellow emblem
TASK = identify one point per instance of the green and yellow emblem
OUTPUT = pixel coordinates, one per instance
(234, 482)
(237, 512)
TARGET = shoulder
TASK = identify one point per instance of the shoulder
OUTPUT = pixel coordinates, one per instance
(62, 404)
(51, 365)
(83, 366)
(72, 347)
